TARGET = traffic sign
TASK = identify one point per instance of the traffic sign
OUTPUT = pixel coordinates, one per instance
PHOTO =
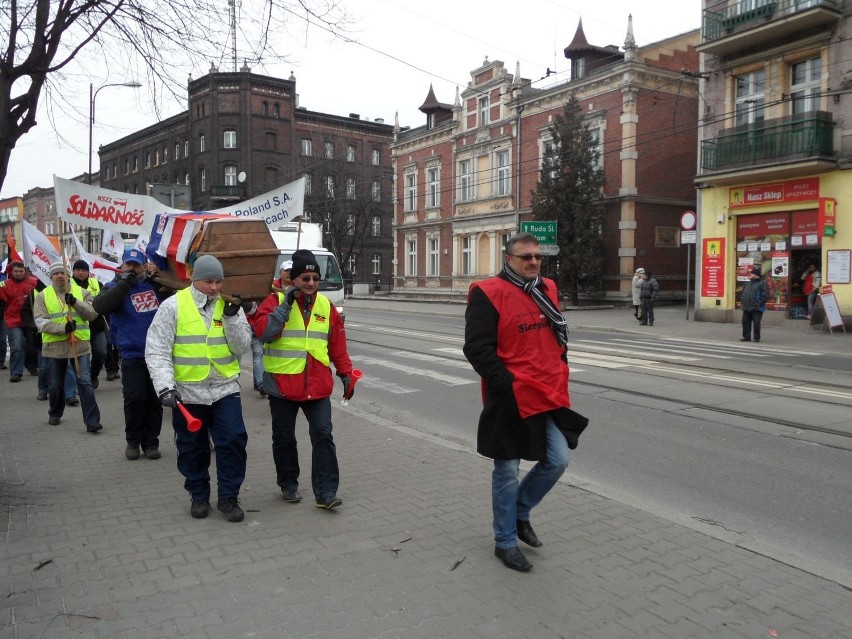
(549, 249)
(688, 237)
(545, 232)
(688, 220)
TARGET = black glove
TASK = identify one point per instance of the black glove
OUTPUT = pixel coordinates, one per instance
(70, 299)
(70, 325)
(291, 295)
(129, 276)
(348, 389)
(232, 308)
(169, 398)
(249, 307)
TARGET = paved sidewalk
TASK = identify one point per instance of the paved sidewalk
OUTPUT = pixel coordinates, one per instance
(97, 546)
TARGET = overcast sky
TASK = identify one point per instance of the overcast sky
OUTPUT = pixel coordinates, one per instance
(401, 47)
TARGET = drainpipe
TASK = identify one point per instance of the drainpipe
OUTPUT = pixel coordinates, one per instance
(518, 171)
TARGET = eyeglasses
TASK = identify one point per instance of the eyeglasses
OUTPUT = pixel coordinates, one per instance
(308, 278)
(528, 257)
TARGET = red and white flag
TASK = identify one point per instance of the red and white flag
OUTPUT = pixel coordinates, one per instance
(39, 253)
(103, 269)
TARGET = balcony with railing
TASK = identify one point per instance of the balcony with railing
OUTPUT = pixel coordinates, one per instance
(808, 136)
(728, 28)
(235, 192)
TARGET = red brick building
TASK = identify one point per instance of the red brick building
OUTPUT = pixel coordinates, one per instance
(464, 181)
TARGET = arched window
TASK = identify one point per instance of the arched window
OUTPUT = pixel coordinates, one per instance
(202, 143)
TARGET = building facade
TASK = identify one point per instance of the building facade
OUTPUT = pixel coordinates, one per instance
(464, 180)
(244, 134)
(776, 148)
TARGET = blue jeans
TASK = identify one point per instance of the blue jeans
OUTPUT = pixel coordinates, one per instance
(325, 473)
(17, 350)
(812, 301)
(57, 371)
(257, 360)
(43, 384)
(511, 500)
(99, 352)
(222, 422)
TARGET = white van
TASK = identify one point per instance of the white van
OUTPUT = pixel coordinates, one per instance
(289, 235)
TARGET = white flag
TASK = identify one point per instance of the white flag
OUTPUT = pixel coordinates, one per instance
(103, 269)
(38, 252)
(113, 243)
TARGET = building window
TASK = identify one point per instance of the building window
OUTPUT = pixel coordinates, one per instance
(329, 186)
(202, 143)
(230, 175)
(114, 171)
(308, 181)
(165, 154)
(157, 157)
(350, 153)
(135, 164)
(376, 226)
(147, 159)
(276, 110)
(465, 180)
(433, 187)
(350, 188)
(230, 139)
(484, 111)
(202, 179)
(411, 256)
(805, 82)
(329, 150)
(467, 255)
(350, 224)
(750, 98)
(126, 167)
(377, 157)
(177, 150)
(264, 108)
(270, 177)
(376, 191)
(186, 149)
(377, 263)
(410, 191)
(186, 178)
(352, 264)
(271, 141)
(547, 147)
(433, 265)
(503, 173)
(307, 147)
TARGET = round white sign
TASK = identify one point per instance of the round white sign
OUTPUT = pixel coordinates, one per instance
(687, 220)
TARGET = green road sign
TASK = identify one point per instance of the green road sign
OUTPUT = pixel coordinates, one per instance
(544, 231)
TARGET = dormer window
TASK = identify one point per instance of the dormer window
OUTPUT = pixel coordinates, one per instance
(484, 111)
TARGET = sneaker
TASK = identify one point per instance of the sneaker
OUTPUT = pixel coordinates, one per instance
(152, 453)
(42, 397)
(71, 401)
(291, 495)
(16, 378)
(54, 421)
(231, 508)
(94, 428)
(199, 509)
(112, 376)
(132, 451)
(329, 501)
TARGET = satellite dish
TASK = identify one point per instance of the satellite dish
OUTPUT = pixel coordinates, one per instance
(241, 177)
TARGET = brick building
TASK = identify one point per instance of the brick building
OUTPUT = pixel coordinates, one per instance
(244, 134)
(464, 180)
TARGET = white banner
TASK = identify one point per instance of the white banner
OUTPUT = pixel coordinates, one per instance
(79, 203)
(113, 243)
(38, 252)
(103, 269)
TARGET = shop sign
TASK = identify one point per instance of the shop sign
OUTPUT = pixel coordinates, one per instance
(713, 267)
(800, 190)
(827, 216)
(761, 226)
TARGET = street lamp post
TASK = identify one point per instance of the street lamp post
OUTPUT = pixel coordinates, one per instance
(93, 93)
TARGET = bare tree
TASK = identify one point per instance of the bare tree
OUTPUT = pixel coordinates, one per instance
(44, 41)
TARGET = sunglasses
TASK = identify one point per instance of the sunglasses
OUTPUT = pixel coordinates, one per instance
(309, 278)
(528, 257)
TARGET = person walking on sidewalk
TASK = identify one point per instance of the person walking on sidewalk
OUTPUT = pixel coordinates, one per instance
(70, 383)
(13, 291)
(647, 296)
(753, 304)
(811, 281)
(636, 288)
(193, 354)
(302, 334)
(516, 340)
(131, 301)
(62, 312)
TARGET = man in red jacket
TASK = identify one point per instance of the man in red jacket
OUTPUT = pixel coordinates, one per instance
(14, 292)
(515, 339)
(302, 335)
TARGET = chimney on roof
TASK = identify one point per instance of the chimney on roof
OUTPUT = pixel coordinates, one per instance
(355, 116)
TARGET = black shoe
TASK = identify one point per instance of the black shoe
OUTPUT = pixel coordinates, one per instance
(94, 428)
(42, 397)
(54, 421)
(526, 534)
(16, 378)
(745, 339)
(231, 508)
(199, 509)
(112, 376)
(3, 366)
(643, 323)
(650, 323)
(152, 453)
(513, 558)
(132, 452)
(291, 495)
(328, 502)
(33, 372)
(71, 401)
(756, 339)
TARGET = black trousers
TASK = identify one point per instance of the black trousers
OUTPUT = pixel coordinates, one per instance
(751, 319)
(143, 413)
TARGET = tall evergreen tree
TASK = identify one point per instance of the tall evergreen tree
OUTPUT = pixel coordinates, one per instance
(569, 191)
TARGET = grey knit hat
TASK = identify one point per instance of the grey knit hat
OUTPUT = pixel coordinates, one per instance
(57, 267)
(207, 267)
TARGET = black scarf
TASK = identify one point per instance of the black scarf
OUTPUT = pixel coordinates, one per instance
(535, 288)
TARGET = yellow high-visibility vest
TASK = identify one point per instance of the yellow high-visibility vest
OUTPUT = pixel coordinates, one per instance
(288, 354)
(58, 312)
(196, 347)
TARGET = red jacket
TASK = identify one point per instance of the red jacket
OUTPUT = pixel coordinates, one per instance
(14, 293)
(316, 381)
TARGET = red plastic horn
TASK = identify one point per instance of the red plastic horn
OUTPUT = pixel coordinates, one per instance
(356, 375)
(192, 423)
(104, 265)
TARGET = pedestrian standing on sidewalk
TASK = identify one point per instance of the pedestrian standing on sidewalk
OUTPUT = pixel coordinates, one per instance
(811, 281)
(13, 291)
(62, 313)
(753, 304)
(648, 295)
(516, 340)
(131, 301)
(303, 334)
(193, 354)
(636, 288)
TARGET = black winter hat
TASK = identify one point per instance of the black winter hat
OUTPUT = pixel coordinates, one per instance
(81, 264)
(304, 262)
